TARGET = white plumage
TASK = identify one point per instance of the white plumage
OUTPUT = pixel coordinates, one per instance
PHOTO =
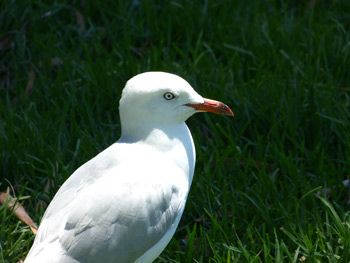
(125, 204)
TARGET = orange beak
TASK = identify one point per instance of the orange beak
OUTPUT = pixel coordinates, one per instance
(212, 106)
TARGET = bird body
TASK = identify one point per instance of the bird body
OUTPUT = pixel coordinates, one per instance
(125, 204)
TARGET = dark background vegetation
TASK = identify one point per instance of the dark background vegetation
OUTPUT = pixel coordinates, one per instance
(262, 178)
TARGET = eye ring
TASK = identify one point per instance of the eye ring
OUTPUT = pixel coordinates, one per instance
(168, 96)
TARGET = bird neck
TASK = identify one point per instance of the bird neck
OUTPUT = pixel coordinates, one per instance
(154, 134)
(174, 139)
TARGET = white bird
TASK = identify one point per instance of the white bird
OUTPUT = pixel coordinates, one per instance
(125, 204)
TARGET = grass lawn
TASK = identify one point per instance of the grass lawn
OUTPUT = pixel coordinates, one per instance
(270, 183)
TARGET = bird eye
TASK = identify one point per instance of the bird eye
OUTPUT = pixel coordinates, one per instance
(168, 96)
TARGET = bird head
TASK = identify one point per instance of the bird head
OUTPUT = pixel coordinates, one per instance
(164, 98)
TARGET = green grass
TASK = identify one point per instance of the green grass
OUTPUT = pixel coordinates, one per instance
(282, 66)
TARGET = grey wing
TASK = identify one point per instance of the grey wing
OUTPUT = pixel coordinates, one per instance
(110, 209)
(124, 227)
(107, 221)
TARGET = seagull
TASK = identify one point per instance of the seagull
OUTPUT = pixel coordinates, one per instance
(125, 204)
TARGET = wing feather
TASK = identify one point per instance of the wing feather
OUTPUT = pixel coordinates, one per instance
(102, 219)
